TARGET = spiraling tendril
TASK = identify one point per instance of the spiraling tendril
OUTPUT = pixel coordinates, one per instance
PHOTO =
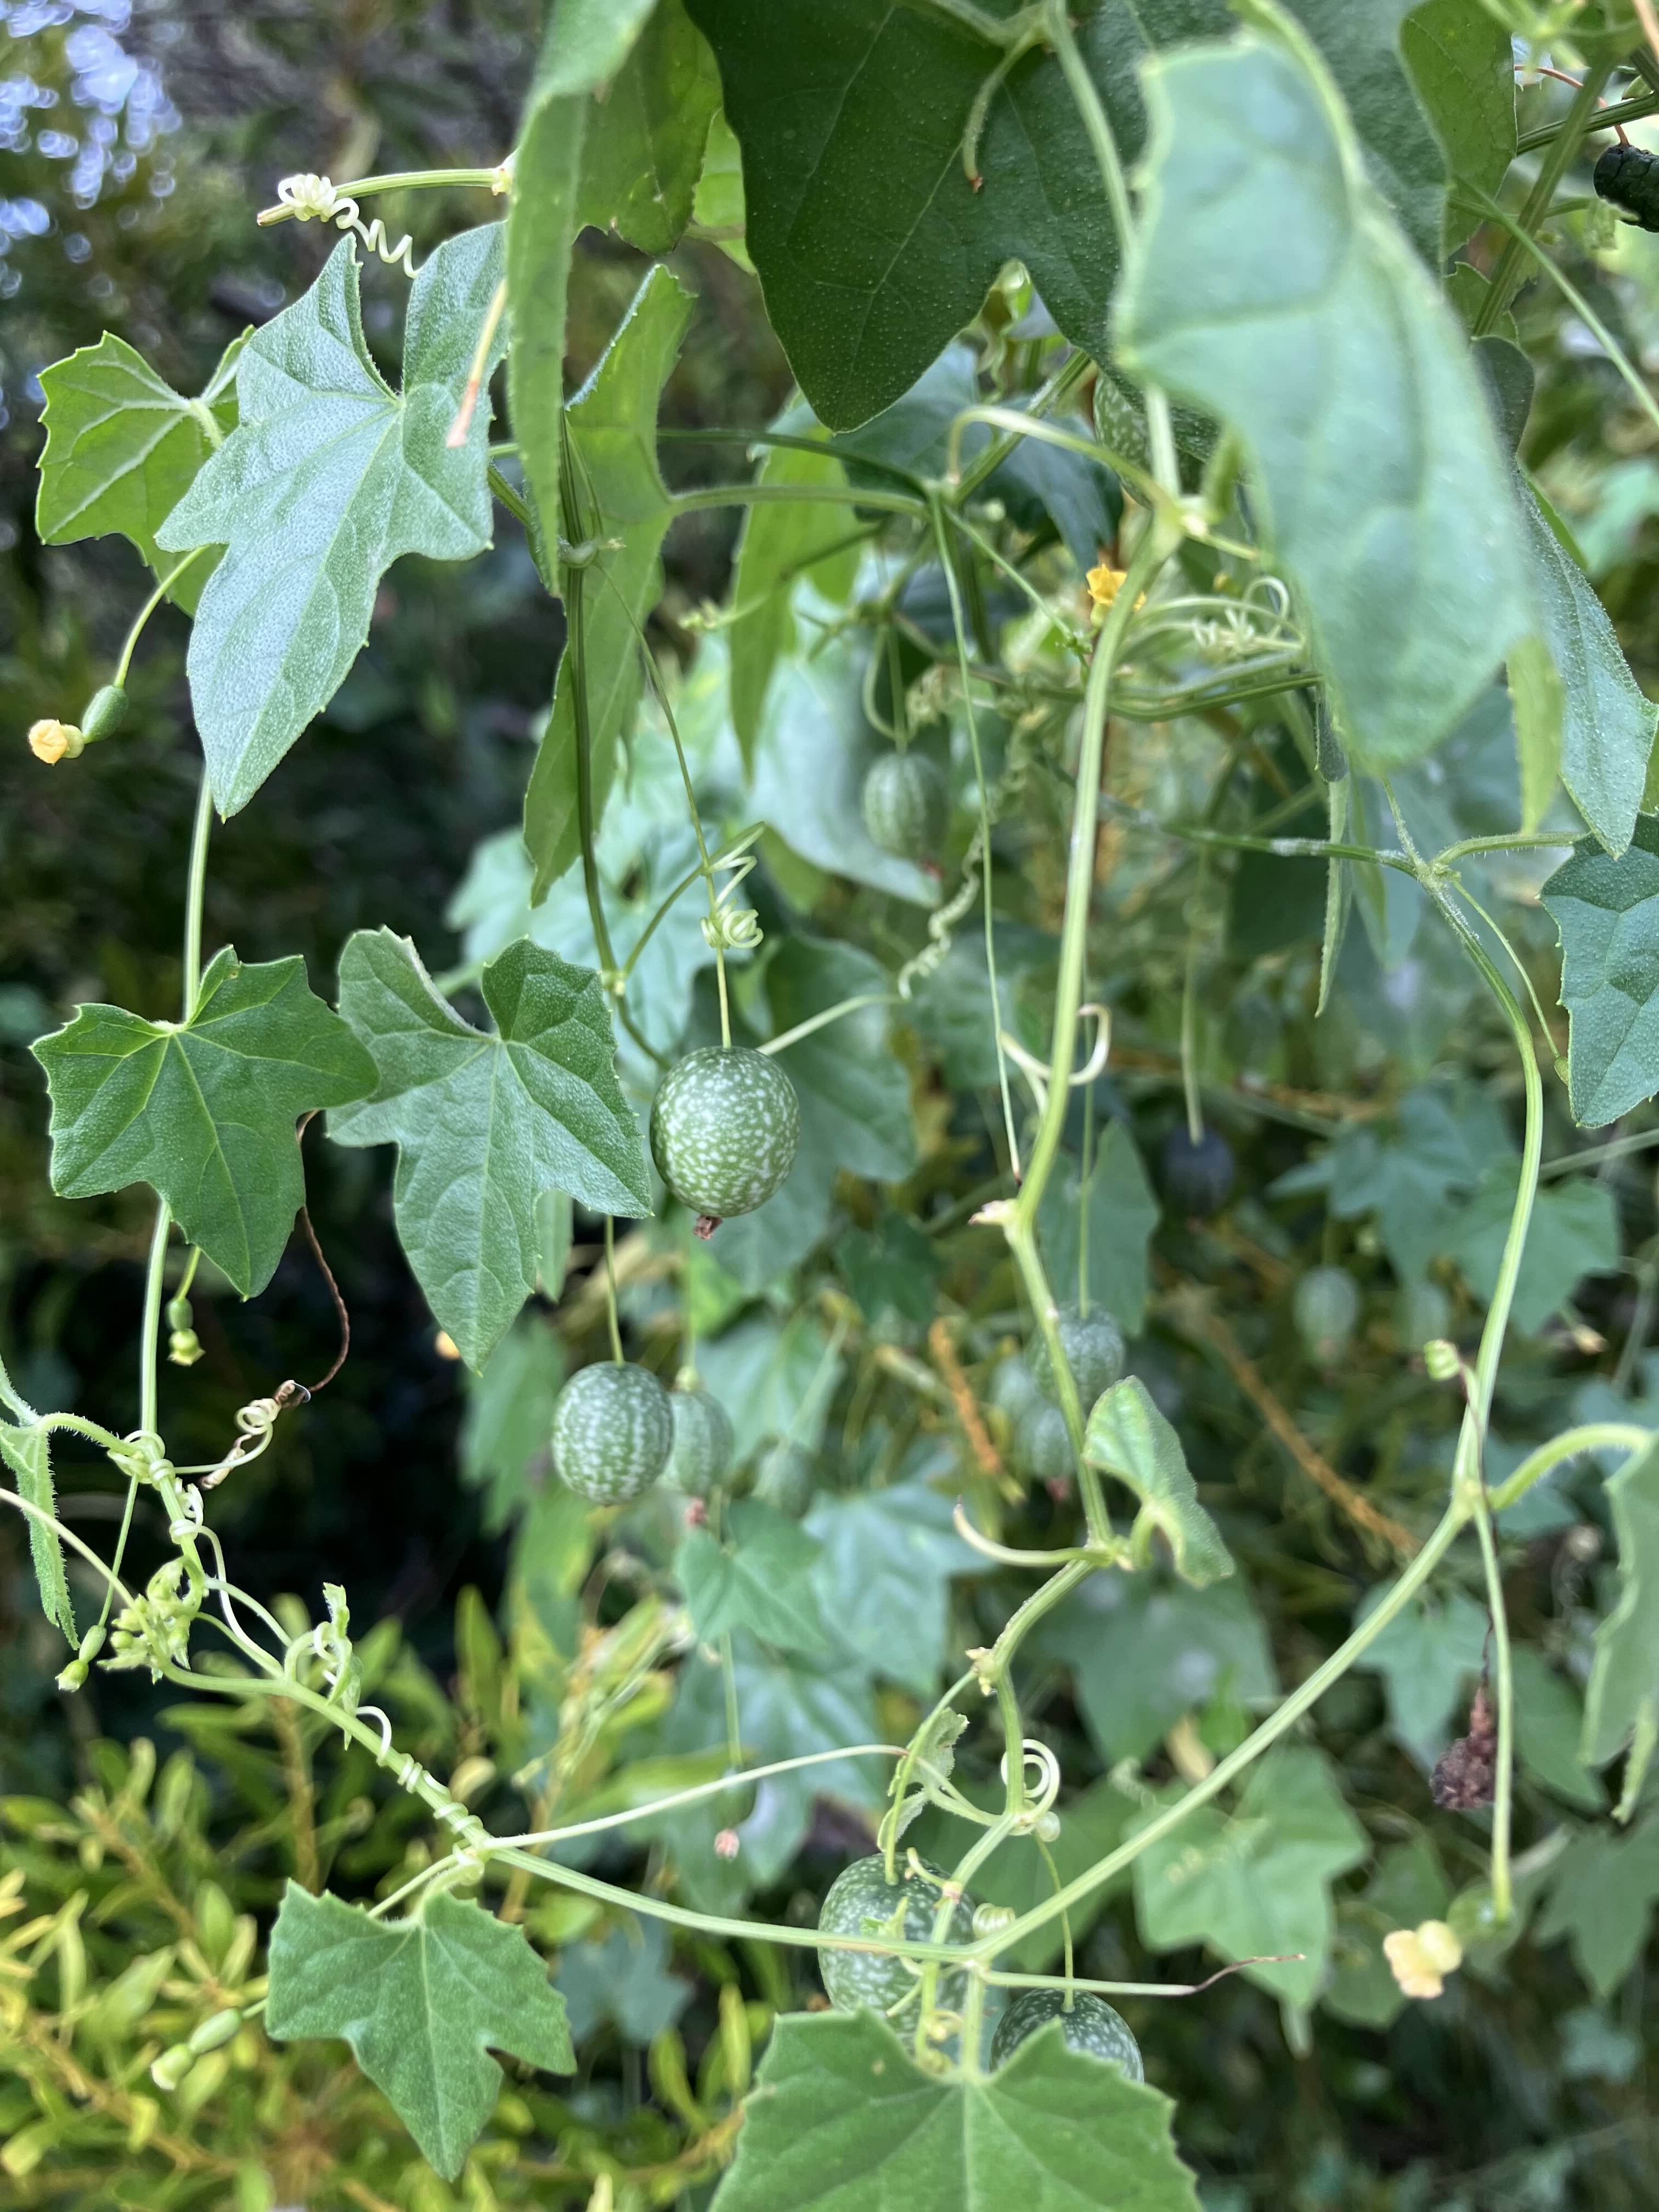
(311, 199)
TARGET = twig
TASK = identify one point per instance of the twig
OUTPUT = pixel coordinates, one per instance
(962, 1400)
(1193, 1315)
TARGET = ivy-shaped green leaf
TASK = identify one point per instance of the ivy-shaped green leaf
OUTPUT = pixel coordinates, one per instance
(883, 1579)
(1118, 1213)
(587, 42)
(1127, 1436)
(27, 1452)
(484, 1124)
(328, 477)
(782, 541)
(1608, 913)
(642, 145)
(204, 1110)
(1255, 1883)
(1602, 1897)
(761, 1579)
(1271, 287)
(1621, 1702)
(509, 1414)
(843, 2120)
(1605, 725)
(123, 448)
(1462, 65)
(617, 504)
(421, 2002)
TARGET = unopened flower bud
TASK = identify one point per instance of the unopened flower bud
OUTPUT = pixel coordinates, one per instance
(170, 2069)
(1421, 1958)
(218, 2028)
(104, 714)
(52, 741)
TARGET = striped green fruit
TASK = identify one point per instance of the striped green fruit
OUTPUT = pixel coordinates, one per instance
(612, 1431)
(863, 1902)
(1093, 1345)
(724, 1131)
(702, 1443)
(907, 805)
(1091, 2027)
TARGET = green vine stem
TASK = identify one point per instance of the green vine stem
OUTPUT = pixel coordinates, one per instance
(1592, 1436)
(1506, 276)
(1503, 1892)
(140, 621)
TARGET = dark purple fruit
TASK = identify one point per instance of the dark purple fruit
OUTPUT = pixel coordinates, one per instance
(1198, 1178)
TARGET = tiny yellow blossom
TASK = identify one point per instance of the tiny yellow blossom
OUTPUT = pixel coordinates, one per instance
(50, 742)
(1105, 583)
(1421, 1958)
(445, 1346)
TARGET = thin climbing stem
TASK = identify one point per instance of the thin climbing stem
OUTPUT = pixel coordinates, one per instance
(140, 621)
(1503, 1888)
(1558, 158)
(611, 1290)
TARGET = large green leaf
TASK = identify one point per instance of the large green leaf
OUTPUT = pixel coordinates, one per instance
(1608, 913)
(773, 1378)
(642, 146)
(760, 1578)
(1144, 1652)
(1256, 1882)
(204, 1111)
(1602, 1897)
(1606, 726)
(1622, 1700)
(27, 1452)
(1119, 1210)
(484, 1124)
(587, 42)
(509, 1415)
(782, 540)
(123, 448)
(1549, 1722)
(1427, 1655)
(1462, 65)
(843, 2120)
(884, 1576)
(328, 477)
(1271, 287)
(421, 2002)
(1127, 1436)
(812, 751)
(614, 502)
(874, 247)
(542, 223)
(1574, 1233)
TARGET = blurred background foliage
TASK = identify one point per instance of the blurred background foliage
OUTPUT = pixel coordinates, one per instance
(135, 143)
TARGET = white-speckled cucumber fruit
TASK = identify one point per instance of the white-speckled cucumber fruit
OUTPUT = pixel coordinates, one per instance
(702, 1443)
(861, 1902)
(612, 1432)
(1091, 2027)
(724, 1131)
(907, 805)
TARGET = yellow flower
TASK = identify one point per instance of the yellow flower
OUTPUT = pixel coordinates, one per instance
(50, 742)
(1105, 583)
(1421, 1958)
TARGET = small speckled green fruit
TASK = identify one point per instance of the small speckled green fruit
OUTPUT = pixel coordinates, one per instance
(1093, 1345)
(724, 1131)
(1042, 1443)
(702, 1443)
(862, 1902)
(787, 1477)
(1091, 2026)
(612, 1431)
(907, 805)
(1325, 1310)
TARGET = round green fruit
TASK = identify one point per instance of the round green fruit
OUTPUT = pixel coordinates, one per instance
(724, 1131)
(907, 805)
(612, 1432)
(1198, 1177)
(1325, 1310)
(789, 1476)
(702, 1450)
(1042, 1443)
(1013, 1391)
(1091, 2027)
(1093, 1345)
(863, 1902)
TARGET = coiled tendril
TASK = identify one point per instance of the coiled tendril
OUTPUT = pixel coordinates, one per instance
(311, 199)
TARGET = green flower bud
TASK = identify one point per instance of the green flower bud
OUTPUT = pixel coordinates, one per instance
(105, 712)
(218, 2028)
(170, 2068)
